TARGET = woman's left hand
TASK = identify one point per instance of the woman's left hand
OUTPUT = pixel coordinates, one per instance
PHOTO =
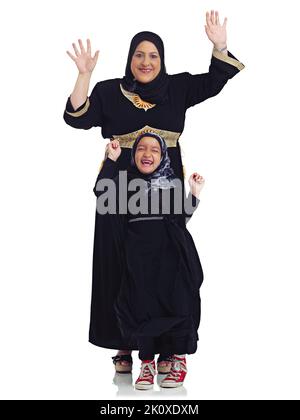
(214, 30)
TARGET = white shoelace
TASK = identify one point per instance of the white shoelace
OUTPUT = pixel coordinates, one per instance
(146, 370)
(177, 366)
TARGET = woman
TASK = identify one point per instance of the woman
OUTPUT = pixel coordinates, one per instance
(146, 98)
(158, 305)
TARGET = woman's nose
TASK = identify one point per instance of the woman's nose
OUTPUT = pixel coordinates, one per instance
(146, 60)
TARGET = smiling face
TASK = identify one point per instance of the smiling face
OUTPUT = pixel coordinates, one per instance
(147, 155)
(145, 62)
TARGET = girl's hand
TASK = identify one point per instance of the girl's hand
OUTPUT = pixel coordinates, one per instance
(196, 183)
(214, 30)
(113, 149)
(83, 59)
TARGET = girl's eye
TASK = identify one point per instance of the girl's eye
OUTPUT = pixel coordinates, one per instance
(153, 56)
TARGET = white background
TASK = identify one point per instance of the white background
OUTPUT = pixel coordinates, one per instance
(244, 142)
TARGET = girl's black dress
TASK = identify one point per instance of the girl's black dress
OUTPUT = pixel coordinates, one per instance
(159, 293)
(123, 116)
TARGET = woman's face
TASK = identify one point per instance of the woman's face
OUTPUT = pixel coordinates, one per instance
(147, 155)
(145, 62)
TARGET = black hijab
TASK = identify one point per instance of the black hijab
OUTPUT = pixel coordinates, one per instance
(155, 91)
(163, 176)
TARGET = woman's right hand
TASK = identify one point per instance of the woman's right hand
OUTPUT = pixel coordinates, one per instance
(113, 149)
(83, 59)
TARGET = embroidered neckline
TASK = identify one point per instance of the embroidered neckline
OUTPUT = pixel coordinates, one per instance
(127, 140)
(136, 99)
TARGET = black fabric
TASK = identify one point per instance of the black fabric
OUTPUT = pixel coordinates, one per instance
(116, 115)
(147, 346)
(156, 90)
(158, 301)
(109, 170)
(123, 357)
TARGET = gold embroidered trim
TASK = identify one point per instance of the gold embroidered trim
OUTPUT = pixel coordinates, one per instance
(101, 165)
(127, 140)
(82, 111)
(227, 59)
(136, 99)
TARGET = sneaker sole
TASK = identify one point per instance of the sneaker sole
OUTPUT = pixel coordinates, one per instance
(143, 386)
(171, 385)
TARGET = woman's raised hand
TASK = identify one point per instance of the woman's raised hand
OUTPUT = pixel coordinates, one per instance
(113, 149)
(83, 58)
(214, 30)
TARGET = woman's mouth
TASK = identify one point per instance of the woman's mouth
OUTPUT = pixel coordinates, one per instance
(147, 162)
(145, 71)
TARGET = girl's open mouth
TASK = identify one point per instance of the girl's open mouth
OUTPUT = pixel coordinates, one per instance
(146, 162)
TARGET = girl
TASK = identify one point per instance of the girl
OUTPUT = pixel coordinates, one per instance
(158, 304)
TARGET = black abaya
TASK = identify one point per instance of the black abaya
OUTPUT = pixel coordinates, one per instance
(123, 117)
(159, 294)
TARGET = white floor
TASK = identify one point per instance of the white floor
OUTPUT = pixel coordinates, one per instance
(244, 142)
(83, 371)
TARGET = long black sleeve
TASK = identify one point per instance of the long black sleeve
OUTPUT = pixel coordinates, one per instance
(200, 87)
(195, 202)
(89, 114)
(108, 170)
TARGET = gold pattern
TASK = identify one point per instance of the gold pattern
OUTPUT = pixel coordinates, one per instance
(227, 59)
(82, 111)
(127, 140)
(136, 99)
(101, 165)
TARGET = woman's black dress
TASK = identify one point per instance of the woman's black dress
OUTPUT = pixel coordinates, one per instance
(123, 117)
(159, 293)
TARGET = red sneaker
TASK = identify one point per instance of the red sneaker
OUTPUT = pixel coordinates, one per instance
(177, 373)
(146, 378)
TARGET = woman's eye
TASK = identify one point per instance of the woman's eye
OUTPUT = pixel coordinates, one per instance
(153, 56)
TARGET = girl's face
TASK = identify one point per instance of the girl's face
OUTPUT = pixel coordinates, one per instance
(145, 62)
(147, 155)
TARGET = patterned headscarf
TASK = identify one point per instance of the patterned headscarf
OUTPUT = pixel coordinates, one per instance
(163, 175)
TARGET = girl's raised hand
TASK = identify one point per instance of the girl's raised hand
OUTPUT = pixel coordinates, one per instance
(196, 183)
(83, 58)
(113, 149)
(214, 30)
